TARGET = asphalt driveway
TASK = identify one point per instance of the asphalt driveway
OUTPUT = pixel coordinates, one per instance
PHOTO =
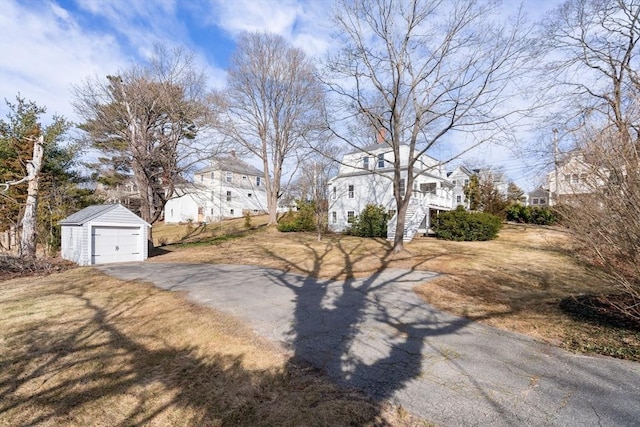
(376, 335)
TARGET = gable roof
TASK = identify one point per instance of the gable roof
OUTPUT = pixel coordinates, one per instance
(371, 147)
(232, 164)
(91, 212)
(462, 169)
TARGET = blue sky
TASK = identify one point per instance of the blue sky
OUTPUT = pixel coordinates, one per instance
(48, 45)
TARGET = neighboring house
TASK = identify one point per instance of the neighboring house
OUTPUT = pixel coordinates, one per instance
(460, 178)
(227, 188)
(365, 177)
(575, 178)
(498, 178)
(538, 197)
(102, 234)
(126, 194)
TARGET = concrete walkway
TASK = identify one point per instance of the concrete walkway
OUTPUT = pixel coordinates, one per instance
(376, 335)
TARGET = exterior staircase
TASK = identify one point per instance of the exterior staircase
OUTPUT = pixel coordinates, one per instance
(413, 218)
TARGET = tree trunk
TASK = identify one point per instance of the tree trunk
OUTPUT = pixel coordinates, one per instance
(30, 218)
(398, 242)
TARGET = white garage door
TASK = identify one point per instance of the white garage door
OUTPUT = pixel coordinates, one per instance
(115, 244)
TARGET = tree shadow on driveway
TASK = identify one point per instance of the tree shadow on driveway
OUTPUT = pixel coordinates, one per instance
(367, 333)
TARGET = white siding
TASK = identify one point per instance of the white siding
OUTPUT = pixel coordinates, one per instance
(376, 187)
(76, 239)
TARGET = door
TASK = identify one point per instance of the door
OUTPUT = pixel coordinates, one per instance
(115, 244)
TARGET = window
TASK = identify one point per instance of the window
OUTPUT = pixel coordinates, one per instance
(257, 181)
(211, 211)
(365, 162)
(351, 192)
(575, 178)
(244, 177)
(335, 193)
(249, 194)
(350, 216)
(228, 196)
(231, 211)
(171, 212)
(213, 175)
(466, 182)
(429, 187)
(403, 186)
(201, 178)
(543, 201)
(334, 217)
(453, 182)
(381, 160)
(229, 176)
(535, 201)
(458, 199)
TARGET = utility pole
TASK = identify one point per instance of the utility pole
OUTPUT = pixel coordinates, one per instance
(555, 164)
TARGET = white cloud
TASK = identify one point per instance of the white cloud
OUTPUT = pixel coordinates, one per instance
(44, 51)
(303, 23)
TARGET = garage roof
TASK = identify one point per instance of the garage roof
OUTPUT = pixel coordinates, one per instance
(91, 212)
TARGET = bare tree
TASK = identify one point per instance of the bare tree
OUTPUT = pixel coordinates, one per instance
(273, 105)
(419, 70)
(151, 120)
(312, 183)
(596, 77)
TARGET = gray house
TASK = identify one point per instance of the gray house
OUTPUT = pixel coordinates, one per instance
(538, 197)
(103, 234)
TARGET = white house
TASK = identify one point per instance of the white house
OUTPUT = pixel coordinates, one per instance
(460, 178)
(365, 177)
(227, 188)
(576, 176)
(103, 234)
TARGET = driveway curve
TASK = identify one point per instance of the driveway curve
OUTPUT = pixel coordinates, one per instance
(376, 335)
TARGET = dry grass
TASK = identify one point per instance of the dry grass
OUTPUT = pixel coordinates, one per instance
(514, 282)
(81, 348)
(186, 233)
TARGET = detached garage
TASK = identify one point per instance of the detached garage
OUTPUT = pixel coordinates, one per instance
(102, 234)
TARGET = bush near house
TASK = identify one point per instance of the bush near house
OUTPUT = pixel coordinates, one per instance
(530, 214)
(372, 222)
(462, 225)
(303, 219)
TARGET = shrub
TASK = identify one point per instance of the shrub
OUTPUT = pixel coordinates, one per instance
(530, 214)
(247, 220)
(462, 225)
(302, 220)
(372, 222)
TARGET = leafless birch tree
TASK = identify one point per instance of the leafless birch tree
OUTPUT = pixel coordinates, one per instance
(23, 144)
(273, 105)
(420, 70)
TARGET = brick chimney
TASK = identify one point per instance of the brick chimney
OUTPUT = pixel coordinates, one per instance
(380, 137)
